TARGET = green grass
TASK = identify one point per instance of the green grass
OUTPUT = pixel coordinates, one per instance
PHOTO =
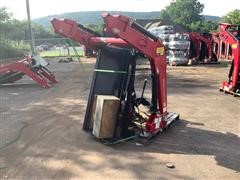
(61, 53)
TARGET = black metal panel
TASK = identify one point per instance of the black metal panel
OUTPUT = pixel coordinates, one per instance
(109, 77)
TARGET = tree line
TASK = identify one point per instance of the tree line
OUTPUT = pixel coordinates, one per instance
(186, 13)
(15, 34)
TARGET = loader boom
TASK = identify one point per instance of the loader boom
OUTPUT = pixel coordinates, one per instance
(34, 67)
(200, 41)
(127, 33)
(152, 47)
(231, 34)
(77, 32)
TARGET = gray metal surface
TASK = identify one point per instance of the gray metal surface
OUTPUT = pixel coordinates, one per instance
(109, 77)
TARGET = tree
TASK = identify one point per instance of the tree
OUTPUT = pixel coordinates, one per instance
(232, 17)
(13, 34)
(16, 30)
(187, 13)
(203, 26)
(96, 27)
(183, 12)
(4, 15)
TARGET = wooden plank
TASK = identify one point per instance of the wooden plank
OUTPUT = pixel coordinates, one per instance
(105, 116)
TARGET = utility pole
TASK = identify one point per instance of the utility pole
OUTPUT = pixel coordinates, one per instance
(32, 42)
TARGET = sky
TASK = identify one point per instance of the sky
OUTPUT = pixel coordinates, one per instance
(40, 8)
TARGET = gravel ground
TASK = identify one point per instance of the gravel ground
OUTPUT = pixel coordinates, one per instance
(41, 136)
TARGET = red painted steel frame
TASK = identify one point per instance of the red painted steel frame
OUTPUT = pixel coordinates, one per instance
(197, 39)
(70, 29)
(126, 35)
(216, 40)
(229, 37)
(122, 27)
(39, 74)
(223, 41)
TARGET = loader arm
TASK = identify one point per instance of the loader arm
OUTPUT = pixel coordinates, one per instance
(216, 44)
(127, 33)
(197, 39)
(135, 35)
(233, 84)
(34, 67)
(77, 32)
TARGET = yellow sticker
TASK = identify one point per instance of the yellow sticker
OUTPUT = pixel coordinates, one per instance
(160, 51)
(234, 46)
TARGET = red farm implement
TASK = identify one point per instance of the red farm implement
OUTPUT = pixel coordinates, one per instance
(34, 67)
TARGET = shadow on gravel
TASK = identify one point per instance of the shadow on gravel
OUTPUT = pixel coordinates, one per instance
(53, 146)
(20, 85)
(179, 85)
(185, 137)
(187, 85)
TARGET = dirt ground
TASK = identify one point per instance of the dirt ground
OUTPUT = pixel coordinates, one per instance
(41, 135)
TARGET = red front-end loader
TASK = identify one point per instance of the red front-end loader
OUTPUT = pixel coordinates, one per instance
(231, 35)
(114, 74)
(201, 48)
(33, 67)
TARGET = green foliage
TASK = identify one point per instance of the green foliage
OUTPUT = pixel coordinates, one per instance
(187, 13)
(183, 12)
(41, 33)
(232, 17)
(95, 27)
(94, 17)
(4, 15)
(18, 30)
(14, 33)
(12, 49)
(203, 26)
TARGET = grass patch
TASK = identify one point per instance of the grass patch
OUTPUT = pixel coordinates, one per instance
(61, 53)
